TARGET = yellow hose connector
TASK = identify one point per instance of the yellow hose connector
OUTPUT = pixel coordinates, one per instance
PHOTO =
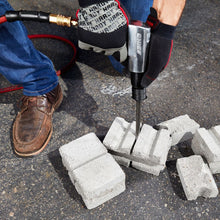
(62, 20)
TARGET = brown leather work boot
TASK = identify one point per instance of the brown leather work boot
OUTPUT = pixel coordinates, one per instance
(32, 128)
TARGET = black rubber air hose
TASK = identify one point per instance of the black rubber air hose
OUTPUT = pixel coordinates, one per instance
(27, 16)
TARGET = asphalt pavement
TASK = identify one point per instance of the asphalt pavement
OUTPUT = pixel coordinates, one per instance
(39, 187)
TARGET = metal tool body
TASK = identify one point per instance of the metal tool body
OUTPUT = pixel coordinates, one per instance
(138, 40)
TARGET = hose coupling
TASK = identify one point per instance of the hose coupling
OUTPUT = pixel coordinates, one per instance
(62, 20)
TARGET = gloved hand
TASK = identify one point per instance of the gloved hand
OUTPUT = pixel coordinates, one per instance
(102, 27)
(160, 48)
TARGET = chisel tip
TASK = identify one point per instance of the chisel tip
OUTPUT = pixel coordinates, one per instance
(138, 117)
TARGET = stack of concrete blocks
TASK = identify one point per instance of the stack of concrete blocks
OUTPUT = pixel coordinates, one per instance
(196, 178)
(95, 174)
(148, 153)
(181, 128)
(207, 144)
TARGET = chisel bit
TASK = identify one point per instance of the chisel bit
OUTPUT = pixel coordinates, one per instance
(138, 117)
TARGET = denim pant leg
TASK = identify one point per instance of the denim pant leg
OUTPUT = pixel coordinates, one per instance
(138, 10)
(20, 62)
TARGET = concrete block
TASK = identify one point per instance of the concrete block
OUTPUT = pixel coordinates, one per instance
(95, 173)
(81, 150)
(99, 180)
(152, 169)
(181, 128)
(144, 142)
(152, 146)
(150, 149)
(157, 151)
(196, 178)
(121, 136)
(207, 144)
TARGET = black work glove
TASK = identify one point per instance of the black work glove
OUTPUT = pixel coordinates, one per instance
(102, 27)
(160, 48)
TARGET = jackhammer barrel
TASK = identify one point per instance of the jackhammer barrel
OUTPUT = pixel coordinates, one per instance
(138, 40)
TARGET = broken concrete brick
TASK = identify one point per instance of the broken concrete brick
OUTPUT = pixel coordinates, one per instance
(95, 173)
(144, 142)
(121, 136)
(207, 143)
(181, 128)
(129, 139)
(157, 155)
(99, 180)
(151, 147)
(152, 169)
(196, 178)
(81, 150)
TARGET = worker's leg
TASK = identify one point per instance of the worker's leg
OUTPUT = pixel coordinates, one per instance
(20, 62)
(138, 10)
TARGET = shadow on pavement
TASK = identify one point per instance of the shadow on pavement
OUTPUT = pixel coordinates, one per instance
(185, 150)
(174, 179)
(56, 161)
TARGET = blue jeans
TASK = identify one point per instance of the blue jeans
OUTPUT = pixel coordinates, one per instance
(138, 10)
(20, 62)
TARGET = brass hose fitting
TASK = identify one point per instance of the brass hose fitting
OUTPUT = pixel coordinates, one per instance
(62, 20)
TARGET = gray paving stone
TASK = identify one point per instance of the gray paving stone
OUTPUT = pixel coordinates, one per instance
(99, 180)
(207, 144)
(157, 155)
(81, 150)
(152, 145)
(181, 128)
(196, 178)
(144, 142)
(121, 136)
(95, 174)
(150, 149)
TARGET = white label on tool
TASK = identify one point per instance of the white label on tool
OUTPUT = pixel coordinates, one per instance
(139, 43)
